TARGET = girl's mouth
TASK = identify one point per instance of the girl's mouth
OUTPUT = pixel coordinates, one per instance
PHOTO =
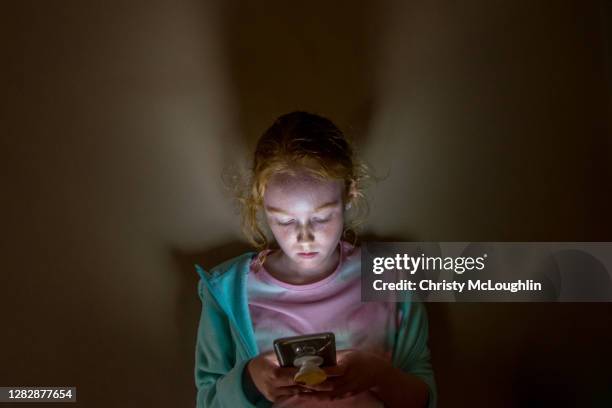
(307, 254)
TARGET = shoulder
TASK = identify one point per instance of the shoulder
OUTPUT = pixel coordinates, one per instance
(226, 281)
(350, 269)
(228, 268)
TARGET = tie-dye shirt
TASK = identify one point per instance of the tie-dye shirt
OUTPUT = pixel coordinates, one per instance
(279, 309)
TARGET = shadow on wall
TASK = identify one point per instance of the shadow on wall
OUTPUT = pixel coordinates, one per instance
(189, 308)
(317, 56)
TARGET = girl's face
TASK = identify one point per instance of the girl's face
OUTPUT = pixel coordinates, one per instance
(306, 217)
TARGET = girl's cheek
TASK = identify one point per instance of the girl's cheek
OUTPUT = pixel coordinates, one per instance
(281, 232)
(324, 227)
(329, 228)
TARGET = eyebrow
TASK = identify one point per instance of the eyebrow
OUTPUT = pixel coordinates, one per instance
(319, 208)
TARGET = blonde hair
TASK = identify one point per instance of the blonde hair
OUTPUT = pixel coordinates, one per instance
(303, 141)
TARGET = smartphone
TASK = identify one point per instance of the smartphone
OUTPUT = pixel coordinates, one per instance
(288, 349)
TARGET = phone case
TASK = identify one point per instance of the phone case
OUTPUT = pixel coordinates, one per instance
(288, 349)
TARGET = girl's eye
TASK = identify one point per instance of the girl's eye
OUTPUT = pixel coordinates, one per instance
(321, 220)
(285, 222)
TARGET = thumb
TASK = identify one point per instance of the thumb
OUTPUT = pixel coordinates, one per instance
(334, 370)
(270, 356)
(341, 354)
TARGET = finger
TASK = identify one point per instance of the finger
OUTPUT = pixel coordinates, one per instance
(324, 386)
(271, 357)
(341, 354)
(341, 388)
(328, 385)
(280, 399)
(281, 393)
(349, 389)
(289, 390)
(317, 396)
(326, 396)
(334, 371)
(283, 376)
(340, 380)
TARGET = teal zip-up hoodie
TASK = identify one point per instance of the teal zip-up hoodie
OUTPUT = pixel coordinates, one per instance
(226, 342)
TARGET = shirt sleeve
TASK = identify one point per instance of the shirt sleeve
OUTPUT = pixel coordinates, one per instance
(251, 391)
(218, 377)
(411, 353)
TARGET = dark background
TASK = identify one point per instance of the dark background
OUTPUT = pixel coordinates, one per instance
(491, 119)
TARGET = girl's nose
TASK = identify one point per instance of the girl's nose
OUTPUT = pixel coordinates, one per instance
(305, 234)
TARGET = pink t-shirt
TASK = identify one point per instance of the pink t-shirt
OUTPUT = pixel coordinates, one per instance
(279, 309)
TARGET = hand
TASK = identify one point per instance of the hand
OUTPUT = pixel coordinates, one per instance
(273, 381)
(357, 371)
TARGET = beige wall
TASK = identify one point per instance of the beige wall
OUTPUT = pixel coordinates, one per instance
(491, 119)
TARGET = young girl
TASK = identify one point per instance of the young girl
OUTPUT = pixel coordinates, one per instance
(304, 183)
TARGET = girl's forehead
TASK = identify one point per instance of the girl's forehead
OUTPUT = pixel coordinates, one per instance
(286, 189)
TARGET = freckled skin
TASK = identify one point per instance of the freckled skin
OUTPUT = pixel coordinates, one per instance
(306, 230)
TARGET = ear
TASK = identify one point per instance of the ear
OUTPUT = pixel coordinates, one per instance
(351, 194)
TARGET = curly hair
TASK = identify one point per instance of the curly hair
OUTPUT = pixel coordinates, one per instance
(299, 141)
